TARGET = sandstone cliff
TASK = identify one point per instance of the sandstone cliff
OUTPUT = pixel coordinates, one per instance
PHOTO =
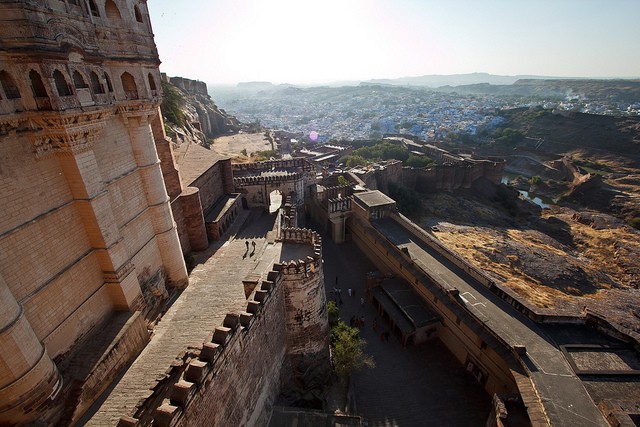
(190, 115)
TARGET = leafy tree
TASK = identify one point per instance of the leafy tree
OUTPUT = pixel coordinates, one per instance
(348, 350)
(343, 181)
(407, 199)
(353, 161)
(418, 161)
(172, 104)
(508, 135)
(334, 312)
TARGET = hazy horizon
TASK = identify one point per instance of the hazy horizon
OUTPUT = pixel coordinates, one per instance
(306, 43)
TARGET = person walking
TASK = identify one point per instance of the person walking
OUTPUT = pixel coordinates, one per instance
(349, 291)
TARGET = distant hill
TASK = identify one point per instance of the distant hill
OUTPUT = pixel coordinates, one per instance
(618, 90)
(438, 80)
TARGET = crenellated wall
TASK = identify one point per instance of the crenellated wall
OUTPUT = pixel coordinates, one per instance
(256, 181)
(235, 378)
(451, 176)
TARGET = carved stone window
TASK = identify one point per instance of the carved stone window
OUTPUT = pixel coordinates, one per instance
(152, 82)
(9, 86)
(96, 86)
(129, 86)
(93, 8)
(108, 80)
(136, 11)
(39, 91)
(37, 86)
(113, 13)
(61, 84)
(78, 81)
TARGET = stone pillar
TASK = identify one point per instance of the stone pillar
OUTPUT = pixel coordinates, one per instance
(144, 151)
(80, 168)
(194, 219)
(29, 378)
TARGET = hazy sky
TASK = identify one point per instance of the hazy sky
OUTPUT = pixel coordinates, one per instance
(299, 41)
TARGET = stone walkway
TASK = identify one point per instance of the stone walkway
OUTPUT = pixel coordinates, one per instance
(215, 289)
(420, 385)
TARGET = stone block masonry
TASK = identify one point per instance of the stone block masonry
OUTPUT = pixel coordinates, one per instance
(84, 211)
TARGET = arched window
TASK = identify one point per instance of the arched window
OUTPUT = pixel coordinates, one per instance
(78, 81)
(96, 86)
(113, 13)
(129, 86)
(37, 86)
(152, 82)
(9, 86)
(93, 8)
(108, 80)
(136, 11)
(61, 84)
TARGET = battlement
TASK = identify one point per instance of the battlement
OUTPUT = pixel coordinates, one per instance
(208, 371)
(273, 165)
(266, 179)
(339, 205)
(204, 384)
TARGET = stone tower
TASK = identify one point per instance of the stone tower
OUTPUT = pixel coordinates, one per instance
(307, 324)
(85, 224)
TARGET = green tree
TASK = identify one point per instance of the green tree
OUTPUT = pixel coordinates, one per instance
(334, 312)
(353, 161)
(407, 199)
(348, 350)
(416, 161)
(173, 102)
(343, 181)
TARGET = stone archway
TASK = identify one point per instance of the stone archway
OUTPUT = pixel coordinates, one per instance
(276, 198)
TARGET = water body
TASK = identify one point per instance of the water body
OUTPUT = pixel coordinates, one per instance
(543, 203)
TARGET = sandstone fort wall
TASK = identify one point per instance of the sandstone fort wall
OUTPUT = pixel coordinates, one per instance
(84, 214)
(459, 331)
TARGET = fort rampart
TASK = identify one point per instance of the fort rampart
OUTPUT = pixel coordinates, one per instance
(253, 355)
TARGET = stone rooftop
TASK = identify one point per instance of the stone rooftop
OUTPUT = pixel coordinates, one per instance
(373, 198)
(194, 160)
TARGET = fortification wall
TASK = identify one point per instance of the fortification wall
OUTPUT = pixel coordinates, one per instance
(84, 209)
(464, 335)
(453, 176)
(232, 380)
(210, 185)
(235, 378)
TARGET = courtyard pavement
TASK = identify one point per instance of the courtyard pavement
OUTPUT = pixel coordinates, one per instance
(421, 385)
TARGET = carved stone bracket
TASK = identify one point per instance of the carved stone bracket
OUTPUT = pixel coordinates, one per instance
(12, 124)
(141, 111)
(71, 133)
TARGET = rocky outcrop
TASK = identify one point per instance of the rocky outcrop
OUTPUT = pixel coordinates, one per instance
(203, 120)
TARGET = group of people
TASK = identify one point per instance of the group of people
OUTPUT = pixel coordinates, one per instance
(356, 321)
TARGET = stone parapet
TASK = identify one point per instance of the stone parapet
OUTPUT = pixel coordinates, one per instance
(205, 384)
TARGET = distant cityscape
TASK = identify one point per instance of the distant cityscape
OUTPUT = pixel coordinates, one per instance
(369, 111)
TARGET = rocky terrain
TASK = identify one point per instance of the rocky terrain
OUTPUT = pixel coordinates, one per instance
(190, 115)
(581, 251)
